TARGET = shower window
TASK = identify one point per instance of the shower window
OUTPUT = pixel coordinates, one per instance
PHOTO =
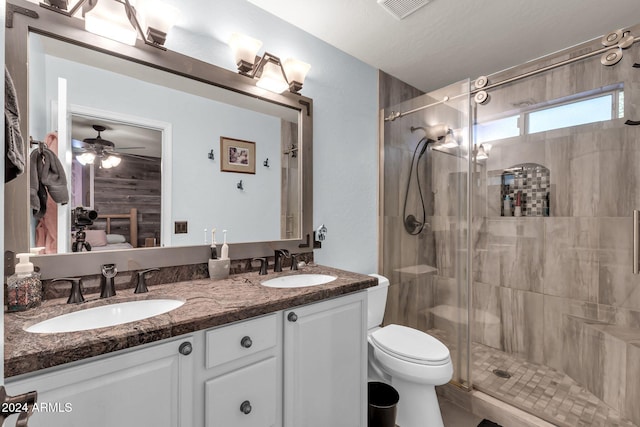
(606, 104)
(583, 111)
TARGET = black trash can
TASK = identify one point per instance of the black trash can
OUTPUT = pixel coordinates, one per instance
(383, 400)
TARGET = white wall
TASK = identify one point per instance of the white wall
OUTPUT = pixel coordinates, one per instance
(344, 91)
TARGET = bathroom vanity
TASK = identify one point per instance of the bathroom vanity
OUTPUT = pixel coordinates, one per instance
(235, 354)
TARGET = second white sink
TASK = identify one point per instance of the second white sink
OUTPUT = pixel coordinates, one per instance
(105, 315)
(298, 280)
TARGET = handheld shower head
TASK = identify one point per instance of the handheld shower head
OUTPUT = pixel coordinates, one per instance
(434, 132)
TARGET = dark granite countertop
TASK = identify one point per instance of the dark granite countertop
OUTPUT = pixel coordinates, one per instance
(207, 304)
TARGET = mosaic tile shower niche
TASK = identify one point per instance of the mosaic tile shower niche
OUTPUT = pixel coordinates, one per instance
(532, 183)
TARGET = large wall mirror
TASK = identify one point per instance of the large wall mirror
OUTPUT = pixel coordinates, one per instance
(158, 148)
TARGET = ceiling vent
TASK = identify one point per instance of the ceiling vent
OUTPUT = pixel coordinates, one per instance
(400, 9)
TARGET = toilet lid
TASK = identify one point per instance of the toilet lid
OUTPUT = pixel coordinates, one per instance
(411, 345)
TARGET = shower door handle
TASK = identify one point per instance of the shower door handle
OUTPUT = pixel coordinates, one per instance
(636, 242)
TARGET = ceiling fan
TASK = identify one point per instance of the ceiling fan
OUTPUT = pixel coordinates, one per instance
(90, 150)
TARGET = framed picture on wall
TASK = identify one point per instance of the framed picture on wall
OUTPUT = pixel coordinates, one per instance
(237, 155)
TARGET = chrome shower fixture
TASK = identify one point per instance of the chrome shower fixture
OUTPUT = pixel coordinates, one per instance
(435, 132)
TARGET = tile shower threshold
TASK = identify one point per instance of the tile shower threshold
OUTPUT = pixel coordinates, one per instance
(537, 389)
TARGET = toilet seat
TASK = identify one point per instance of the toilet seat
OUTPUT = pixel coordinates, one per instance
(411, 345)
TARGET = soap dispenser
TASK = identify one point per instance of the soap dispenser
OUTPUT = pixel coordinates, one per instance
(24, 288)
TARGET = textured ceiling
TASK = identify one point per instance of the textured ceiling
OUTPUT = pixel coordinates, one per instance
(448, 40)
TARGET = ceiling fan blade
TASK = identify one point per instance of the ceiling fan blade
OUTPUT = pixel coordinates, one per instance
(137, 156)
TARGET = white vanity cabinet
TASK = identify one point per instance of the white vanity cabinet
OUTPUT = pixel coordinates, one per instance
(239, 374)
(303, 367)
(325, 363)
(148, 385)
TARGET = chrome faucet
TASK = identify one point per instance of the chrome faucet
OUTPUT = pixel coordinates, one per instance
(277, 266)
(107, 284)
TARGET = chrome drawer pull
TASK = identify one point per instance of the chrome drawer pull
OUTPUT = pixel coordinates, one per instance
(292, 317)
(246, 342)
(245, 407)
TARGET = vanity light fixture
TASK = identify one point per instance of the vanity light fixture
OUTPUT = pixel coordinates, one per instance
(272, 74)
(119, 20)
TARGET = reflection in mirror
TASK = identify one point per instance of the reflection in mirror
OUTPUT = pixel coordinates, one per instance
(116, 172)
(177, 181)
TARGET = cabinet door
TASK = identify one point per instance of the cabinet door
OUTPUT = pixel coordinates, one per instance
(325, 363)
(141, 387)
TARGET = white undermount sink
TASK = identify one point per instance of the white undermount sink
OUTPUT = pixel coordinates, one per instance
(105, 315)
(298, 281)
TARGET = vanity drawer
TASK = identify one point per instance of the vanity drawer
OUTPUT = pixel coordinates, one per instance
(243, 398)
(243, 339)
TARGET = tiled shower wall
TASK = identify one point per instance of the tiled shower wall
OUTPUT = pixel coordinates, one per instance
(562, 286)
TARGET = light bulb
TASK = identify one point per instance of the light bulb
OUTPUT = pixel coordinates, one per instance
(272, 78)
(109, 19)
(85, 158)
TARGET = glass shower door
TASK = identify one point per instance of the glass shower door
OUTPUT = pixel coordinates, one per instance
(423, 193)
(556, 305)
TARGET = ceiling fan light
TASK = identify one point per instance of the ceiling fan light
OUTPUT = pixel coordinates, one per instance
(115, 161)
(110, 162)
(109, 19)
(86, 158)
(272, 78)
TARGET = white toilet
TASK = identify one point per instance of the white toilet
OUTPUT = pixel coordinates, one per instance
(412, 361)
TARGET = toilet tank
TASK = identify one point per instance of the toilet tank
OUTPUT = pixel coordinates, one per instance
(376, 301)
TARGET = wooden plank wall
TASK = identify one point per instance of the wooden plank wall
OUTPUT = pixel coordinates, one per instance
(134, 183)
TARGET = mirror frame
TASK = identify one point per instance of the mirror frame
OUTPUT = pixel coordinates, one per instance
(24, 17)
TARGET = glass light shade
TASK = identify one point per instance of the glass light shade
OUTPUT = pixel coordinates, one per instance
(295, 70)
(109, 19)
(110, 162)
(481, 154)
(272, 78)
(244, 48)
(85, 158)
(158, 15)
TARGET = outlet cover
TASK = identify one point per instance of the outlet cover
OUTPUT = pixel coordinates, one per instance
(180, 227)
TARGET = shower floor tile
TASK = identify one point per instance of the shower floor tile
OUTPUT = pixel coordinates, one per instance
(540, 390)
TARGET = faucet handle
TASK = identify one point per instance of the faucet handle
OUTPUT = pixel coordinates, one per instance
(283, 252)
(76, 289)
(264, 264)
(21, 404)
(141, 287)
(294, 261)
(109, 270)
